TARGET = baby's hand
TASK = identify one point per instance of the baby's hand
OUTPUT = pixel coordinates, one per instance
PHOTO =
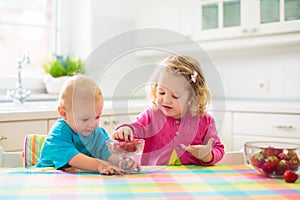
(133, 166)
(106, 168)
(199, 151)
(123, 133)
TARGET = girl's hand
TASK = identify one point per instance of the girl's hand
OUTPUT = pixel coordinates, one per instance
(202, 152)
(123, 133)
(106, 168)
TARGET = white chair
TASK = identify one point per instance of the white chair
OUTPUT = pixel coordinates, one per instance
(233, 158)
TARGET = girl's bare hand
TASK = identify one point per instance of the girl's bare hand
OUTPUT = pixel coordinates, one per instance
(123, 133)
(199, 151)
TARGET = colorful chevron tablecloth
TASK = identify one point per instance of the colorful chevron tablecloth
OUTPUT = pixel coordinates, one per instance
(176, 182)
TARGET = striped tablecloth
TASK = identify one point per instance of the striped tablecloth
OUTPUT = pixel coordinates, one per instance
(181, 182)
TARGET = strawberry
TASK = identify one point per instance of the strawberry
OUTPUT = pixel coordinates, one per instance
(257, 160)
(282, 166)
(271, 151)
(267, 169)
(294, 163)
(292, 153)
(128, 146)
(290, 176)
(283, 156)
(272, 161)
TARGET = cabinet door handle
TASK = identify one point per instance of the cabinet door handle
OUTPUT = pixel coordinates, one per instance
(106, 122)
(284, 126)
(3, 138)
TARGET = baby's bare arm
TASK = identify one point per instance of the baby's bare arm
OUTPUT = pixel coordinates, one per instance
(84, 162)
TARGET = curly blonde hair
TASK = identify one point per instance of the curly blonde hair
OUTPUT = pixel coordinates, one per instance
(187, 66)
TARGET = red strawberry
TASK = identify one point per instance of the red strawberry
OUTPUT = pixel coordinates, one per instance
(267, 169)
(272, 161)
(283, 156)
(290, 176)
(292, 153)
(271, 151)
(257, 160)
(282, 166)
(129, 146)
(294, 163)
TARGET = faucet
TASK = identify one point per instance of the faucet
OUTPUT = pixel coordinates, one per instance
(19, 95)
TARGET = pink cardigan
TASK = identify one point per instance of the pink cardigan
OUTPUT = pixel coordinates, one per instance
(164, 134)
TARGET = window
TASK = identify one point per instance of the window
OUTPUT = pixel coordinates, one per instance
(26, 26)
(292, 10)
(230, 11)
(210, 16)
(271, 10)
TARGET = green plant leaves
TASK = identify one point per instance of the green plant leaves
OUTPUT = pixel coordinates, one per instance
(58, 66)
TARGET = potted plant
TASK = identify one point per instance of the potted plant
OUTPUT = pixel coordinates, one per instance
(58, 69)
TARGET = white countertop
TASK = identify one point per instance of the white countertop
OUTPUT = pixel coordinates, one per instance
(292, 107)
(47, 109)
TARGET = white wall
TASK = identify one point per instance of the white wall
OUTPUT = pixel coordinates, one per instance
(242, 71)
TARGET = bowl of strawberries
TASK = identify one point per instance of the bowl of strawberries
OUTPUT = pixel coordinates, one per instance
(125, 150)
(272, 159)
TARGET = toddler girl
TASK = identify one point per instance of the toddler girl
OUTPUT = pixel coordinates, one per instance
(177, 129)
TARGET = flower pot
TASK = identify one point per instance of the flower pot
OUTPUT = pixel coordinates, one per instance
(53, 84)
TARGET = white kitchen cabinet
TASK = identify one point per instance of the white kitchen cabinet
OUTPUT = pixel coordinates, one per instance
(223, 19)
(225, 132)
(223, 123)
(12, 133)
(265, 126)
(50, 123)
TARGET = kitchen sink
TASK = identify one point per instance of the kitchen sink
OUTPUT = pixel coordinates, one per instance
(28, 106)
(34, 102)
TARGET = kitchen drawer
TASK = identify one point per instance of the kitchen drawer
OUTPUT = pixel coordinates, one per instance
(13, 133)
(269, 125)
(239, 140)
(50, 124)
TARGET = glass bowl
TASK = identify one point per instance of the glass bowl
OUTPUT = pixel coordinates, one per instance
(125, 150)
(272, 158)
